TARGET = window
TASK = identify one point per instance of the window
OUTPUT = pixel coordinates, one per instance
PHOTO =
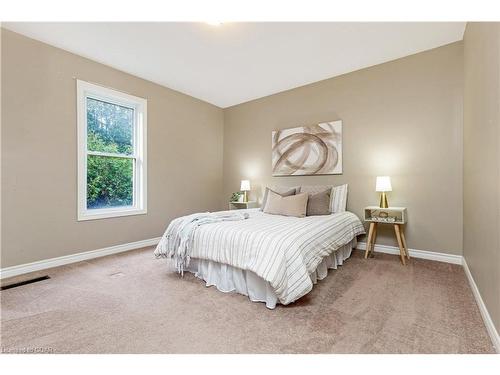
(111, 153)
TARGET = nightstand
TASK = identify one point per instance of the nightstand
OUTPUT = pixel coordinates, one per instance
(242, 205)
(395, 216)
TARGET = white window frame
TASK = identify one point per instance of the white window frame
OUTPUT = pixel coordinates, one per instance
(139, 105)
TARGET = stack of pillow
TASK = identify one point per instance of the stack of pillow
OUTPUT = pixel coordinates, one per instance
(305, 200)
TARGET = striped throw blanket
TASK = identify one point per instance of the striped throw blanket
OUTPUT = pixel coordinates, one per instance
(177, 240)
(282, 250)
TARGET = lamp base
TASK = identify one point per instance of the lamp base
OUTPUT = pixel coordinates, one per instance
(245, 197)
(383, 200)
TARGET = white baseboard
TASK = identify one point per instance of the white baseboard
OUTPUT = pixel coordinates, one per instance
(422, 254)
(488, 322)
(73, 258)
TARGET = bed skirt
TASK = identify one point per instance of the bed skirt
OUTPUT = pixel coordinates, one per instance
(231, 279)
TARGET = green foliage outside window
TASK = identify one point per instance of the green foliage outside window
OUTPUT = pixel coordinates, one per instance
(109, 179)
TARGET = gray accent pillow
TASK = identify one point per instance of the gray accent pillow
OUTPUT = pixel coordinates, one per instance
(338, 198)
(286, 193)
(319, 203)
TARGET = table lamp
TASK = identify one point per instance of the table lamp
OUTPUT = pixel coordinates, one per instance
(245, 186)
(383, 185)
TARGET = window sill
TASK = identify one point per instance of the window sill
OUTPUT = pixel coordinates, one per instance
(109, 213)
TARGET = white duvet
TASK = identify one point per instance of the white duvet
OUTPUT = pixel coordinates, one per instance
(282, 250)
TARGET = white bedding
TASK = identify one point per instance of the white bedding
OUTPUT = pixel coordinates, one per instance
(282, 250)
(231, 279)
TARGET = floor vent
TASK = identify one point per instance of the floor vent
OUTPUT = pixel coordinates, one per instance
(21, 283)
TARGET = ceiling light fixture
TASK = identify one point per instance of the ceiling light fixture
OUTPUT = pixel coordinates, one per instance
(214, 23)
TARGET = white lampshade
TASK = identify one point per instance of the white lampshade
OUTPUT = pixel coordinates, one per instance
(245, 185)
(383, 183)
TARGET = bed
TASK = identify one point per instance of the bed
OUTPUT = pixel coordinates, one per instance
(270, 258)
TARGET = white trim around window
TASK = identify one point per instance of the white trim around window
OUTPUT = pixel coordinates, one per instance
(87, 90)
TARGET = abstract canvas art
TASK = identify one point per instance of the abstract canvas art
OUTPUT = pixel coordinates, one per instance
(308, 150)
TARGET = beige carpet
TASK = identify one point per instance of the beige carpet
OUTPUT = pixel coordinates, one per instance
(129, 303)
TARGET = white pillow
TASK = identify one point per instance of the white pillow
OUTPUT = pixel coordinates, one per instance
(338, 198)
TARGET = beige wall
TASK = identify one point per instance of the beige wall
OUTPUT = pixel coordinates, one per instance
(482, 160)
(402, 118)
(0, 139)
(39, 186)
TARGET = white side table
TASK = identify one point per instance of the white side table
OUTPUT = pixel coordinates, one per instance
(395, 216)
(242, 205)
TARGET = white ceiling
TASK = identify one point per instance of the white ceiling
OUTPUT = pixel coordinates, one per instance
(236, 62)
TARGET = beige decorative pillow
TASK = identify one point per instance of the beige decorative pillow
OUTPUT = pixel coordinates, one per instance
(294, 205)
(284, 192)
(319, 203)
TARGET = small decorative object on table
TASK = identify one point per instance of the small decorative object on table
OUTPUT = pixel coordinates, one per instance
(390, 215)
(235, 197)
